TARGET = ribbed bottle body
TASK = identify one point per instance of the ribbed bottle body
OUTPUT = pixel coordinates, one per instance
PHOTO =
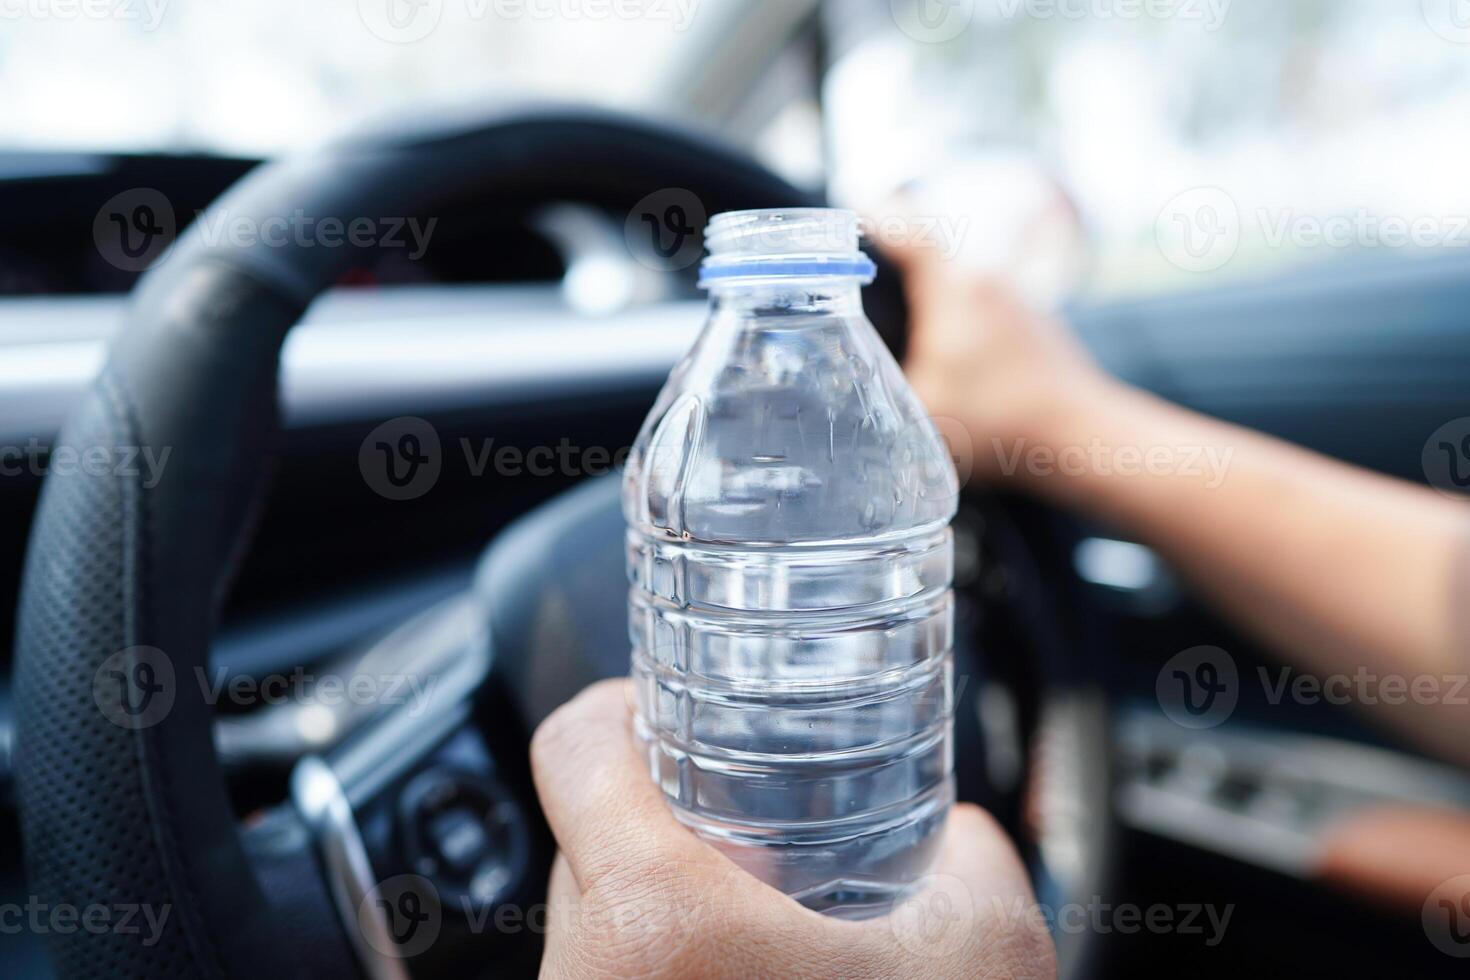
(790, 561)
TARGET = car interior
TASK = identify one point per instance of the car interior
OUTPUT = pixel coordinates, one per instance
(503, 336)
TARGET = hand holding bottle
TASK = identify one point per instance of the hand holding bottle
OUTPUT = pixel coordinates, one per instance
(634, 893)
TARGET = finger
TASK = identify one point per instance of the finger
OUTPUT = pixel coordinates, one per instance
(972, 915)
(984, 886)
(562, 893)
(604, 810)
(562, 900)
(977, 851)
(1395, 853)
(563, 897)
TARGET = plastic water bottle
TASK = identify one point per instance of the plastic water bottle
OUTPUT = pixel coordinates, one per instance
(788, 505)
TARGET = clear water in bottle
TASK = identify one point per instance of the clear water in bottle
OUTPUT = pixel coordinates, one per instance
(788, 504)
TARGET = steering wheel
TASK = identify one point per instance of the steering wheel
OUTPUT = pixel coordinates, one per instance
(123, 799)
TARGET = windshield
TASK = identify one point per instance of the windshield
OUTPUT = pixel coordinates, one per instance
(1103, 147)
(263, 77)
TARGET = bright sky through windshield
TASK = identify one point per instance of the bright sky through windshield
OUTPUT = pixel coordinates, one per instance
(263, 76)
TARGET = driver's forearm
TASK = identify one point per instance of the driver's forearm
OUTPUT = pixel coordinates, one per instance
(1336, 567)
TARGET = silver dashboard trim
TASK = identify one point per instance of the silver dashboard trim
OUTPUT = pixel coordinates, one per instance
(1173, 783)
(323, 804)
(370, 354)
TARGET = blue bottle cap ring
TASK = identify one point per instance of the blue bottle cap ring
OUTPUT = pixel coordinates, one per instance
(818, 266)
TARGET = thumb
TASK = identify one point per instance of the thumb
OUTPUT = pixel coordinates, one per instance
(976, 906)
(979, 855)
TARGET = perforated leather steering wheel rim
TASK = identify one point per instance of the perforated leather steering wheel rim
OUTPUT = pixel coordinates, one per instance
(122, 581)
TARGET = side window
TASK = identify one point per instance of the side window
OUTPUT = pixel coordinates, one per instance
(1201, 141)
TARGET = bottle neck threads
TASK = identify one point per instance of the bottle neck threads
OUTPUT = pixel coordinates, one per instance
(751, 247)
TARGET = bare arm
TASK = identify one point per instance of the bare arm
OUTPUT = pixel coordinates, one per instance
(1338, 568)
(1343, 571)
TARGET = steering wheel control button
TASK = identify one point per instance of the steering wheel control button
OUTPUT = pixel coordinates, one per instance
(466, 834)
(458, 839)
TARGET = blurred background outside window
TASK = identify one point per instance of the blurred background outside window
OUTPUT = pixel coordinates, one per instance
(1172, 137)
